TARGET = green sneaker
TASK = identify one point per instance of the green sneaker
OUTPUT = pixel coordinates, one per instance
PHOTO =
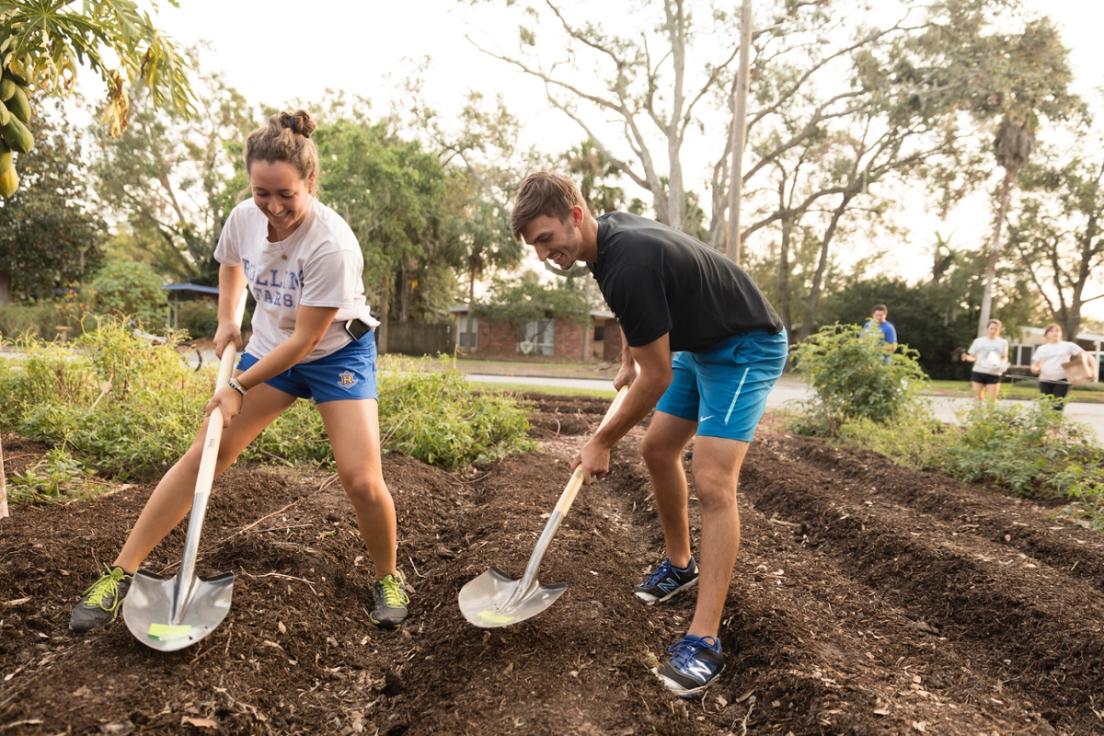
(391, 601)
(100, 602)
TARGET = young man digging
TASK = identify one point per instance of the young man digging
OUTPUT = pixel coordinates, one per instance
(709, 347)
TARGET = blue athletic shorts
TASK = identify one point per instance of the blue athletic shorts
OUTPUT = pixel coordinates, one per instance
(350, 373)
(724, 387)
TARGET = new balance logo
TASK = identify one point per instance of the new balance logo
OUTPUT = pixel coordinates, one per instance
(668, 585)
(699, 670)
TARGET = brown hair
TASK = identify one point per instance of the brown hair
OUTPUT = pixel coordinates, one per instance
(882, 307)
(286, 137)
(997, 322)
(1051, 327)
(544, 193)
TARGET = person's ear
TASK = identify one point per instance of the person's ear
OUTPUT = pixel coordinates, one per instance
(577, 214)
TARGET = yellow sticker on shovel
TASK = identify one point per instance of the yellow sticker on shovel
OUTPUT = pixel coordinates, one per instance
(168, 632)
(493, 617)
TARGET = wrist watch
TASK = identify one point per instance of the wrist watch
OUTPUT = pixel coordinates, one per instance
(236, 385)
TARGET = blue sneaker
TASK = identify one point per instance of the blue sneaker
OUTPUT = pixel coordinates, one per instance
(695, 664)
(666, 581)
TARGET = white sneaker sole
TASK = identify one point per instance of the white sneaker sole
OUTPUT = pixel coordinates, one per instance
(682, 692)
(651, 600)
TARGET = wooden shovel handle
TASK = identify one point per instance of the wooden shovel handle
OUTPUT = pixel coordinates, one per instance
(576, 482)
(206, 475)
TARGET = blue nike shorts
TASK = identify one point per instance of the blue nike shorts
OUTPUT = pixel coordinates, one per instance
(349, 373)
(724, 388)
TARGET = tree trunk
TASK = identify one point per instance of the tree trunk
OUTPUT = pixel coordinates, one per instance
(3, 484)
(784, 273)
(822, 266)
(471, 312)
(384, 317)
(994, 250)
(404, 294)
(5, 289)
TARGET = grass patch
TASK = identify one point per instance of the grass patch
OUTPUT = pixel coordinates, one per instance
(1026, 390)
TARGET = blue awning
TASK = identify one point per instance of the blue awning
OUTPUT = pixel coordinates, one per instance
(198, 288)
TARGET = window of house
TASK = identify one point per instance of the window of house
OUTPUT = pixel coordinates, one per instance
(469, 332)
(599, 333)
(538, 337)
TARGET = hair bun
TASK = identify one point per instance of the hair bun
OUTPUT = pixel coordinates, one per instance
(298, 122)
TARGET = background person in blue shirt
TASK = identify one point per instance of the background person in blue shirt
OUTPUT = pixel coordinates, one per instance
(878, 321)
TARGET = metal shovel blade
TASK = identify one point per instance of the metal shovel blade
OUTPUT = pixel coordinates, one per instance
(493, 600)
(148, 609)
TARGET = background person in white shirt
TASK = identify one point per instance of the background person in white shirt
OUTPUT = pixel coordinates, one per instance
(311, 339)
(1047, 364)
(989, 354)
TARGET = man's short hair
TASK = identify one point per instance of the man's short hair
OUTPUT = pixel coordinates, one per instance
(543, 193)
(882, 307)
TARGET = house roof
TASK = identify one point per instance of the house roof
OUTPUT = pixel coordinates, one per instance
(595, 313)
(1038, 332)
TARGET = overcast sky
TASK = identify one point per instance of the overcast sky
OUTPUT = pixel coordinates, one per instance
(277, 51)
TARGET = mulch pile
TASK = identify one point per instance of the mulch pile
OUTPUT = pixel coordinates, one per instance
(868, 599)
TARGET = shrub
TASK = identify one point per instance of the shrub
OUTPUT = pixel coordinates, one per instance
(130, 289)
(19, 320)
(199, 318)
(46, 320)
(127, 409)
(916, 439)
(1033, 450)
(854, 377)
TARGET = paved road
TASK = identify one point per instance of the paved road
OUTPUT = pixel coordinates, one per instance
(790, 391)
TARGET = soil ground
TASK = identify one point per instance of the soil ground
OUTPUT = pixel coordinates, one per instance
(868, 599)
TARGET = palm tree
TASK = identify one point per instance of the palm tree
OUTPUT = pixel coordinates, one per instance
(42, 43)
(1012, 147)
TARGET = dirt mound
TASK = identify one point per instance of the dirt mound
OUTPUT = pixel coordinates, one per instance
(868, 599)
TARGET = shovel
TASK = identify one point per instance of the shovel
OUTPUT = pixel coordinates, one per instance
(494, 599)
(170, 613)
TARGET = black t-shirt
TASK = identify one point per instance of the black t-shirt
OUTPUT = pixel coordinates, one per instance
(658, 280)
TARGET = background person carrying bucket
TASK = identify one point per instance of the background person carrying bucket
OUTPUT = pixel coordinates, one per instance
(311, 339)
(989, 354)
(709, 348)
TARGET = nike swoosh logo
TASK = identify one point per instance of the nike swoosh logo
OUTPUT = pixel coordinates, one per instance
(703, 419)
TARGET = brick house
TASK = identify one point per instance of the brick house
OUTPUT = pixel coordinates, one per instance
(553, 338)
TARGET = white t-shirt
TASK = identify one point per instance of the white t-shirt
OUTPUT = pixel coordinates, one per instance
(991, 355)
(1052, 356)
(318, 265)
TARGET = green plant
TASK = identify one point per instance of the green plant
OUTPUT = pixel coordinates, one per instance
(854, 377)
(130, 289)
(916, 439)
(1029, 449)
(1033, 450)
(56, 477)
(127, 409)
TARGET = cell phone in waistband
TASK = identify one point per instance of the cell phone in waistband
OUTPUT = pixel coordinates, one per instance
(357, 328)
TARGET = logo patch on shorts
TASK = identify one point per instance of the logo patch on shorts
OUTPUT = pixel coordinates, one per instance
(346, 379)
